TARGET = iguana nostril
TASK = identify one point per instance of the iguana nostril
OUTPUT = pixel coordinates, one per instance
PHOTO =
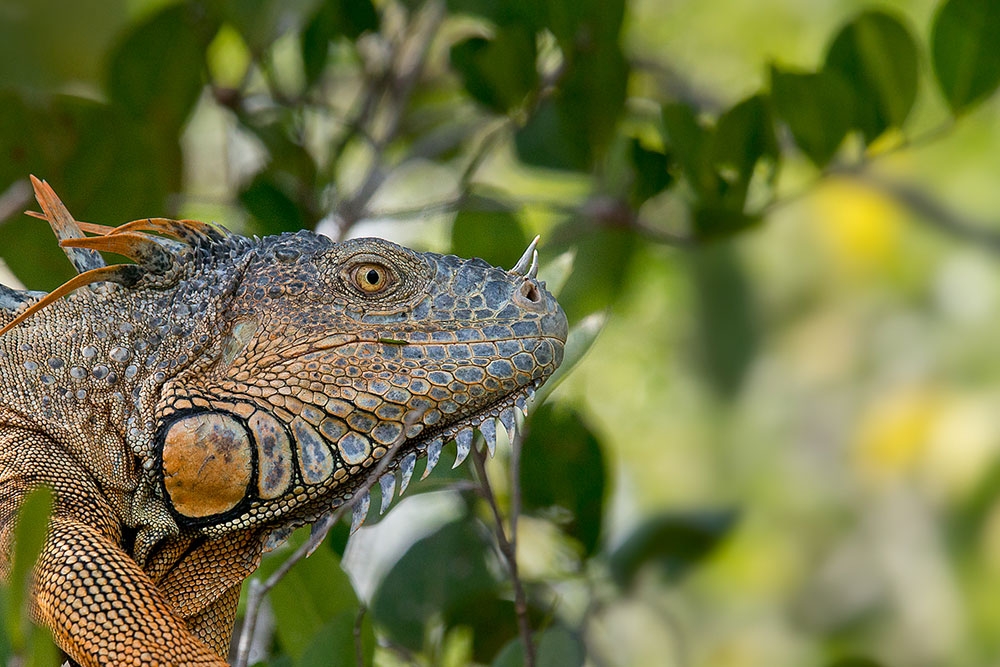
(529, 290)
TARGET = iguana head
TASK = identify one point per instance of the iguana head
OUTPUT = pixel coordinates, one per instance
(332, 356)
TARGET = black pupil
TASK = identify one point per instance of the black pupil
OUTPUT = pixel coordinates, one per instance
(372, 277)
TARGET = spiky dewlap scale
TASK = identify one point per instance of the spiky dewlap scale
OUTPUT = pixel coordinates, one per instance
(262, 380)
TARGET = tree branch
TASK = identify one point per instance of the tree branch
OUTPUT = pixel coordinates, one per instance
(508, 545)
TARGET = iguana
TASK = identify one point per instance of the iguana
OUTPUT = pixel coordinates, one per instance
(221, 390)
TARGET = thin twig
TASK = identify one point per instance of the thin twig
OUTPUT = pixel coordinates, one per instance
(359, 649)
(408, 65)
(508, 545)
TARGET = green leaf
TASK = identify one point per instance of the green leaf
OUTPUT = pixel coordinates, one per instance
(270, 199)
(572, 128)
(563, 470)
(526, 13)
(335, 18)
(651, 172)
(600, 268)
(817, 107)
(963, 51)
(105, 166)
(743, 137)
(711, 223)
(29, 537)
(673, 542)
(877, 56)
(728, 336)
(155, 74)
(314, 594)
(855, 661)
(498, 72)
(334, 644)
(437, 574)
(490, 230)
(493, 622)
(690, 142)
(581, 25)
(262, 22)
(556, 647)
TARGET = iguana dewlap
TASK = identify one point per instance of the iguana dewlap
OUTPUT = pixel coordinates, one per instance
(223, 389)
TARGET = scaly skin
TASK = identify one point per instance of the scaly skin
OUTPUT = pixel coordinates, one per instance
(224, 390)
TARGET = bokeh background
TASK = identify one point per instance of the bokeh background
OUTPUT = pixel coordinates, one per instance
(779, 443)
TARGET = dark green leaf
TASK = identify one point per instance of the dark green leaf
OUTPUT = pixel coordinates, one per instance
(728, 337)
(710, 223)
(262, 22)
(526, 13)
(563, 471)
(817, 107)
(274, 209)
(105, 166)
(573, 128)
(335, 18)
(498, 72)
(490, 230)
(603, 256)
(550, 139)
(651, 172)
(690, 143)
(877, 56)
(855, 661)
(334, 645)
(743, 137)
(439, 573)
(672, 542)
(156, 72)
(584, 25)
(963, 51)
(493, 621)
(556, 647)
(315, 593)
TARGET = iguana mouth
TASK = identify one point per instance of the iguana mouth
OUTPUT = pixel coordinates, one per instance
(431, 442)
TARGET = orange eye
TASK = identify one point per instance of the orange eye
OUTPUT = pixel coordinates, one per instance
(371, 278)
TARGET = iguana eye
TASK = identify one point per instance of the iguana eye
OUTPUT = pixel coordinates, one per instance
(371, 278)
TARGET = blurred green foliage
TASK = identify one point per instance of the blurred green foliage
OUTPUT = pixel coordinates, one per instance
(498, 120)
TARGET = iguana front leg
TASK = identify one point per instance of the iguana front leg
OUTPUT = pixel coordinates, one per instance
(103, 609)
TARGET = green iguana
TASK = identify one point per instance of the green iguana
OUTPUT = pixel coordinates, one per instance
(222, 390)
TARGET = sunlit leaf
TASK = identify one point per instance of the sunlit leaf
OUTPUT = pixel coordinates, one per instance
(963, 51)
(817, 107)
(674, 543)
(560, 440)
(877, 56)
